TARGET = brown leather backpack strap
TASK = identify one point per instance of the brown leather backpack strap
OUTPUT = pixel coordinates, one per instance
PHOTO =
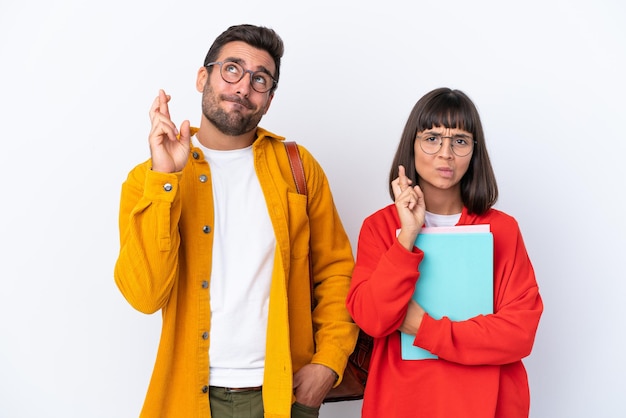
(296, 166)
(297, 169)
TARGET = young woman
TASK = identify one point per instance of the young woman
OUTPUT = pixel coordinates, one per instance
(442, 176)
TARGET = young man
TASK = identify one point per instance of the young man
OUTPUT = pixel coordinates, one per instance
(214, 234)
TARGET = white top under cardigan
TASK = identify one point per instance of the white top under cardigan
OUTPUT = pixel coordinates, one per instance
(243, 256)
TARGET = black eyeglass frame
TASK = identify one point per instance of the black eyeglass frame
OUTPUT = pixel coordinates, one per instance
(243, 74)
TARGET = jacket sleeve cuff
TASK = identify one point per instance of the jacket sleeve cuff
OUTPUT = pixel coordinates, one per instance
(161, 186)
(428, 327)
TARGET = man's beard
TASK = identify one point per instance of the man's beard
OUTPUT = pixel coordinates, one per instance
(232, 124)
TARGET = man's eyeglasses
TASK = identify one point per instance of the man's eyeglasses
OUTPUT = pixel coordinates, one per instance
(232, 73)
(461, 145)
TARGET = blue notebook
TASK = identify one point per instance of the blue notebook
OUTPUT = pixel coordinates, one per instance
(456, 277)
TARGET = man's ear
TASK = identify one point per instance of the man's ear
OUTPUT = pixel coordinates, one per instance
(202, 79)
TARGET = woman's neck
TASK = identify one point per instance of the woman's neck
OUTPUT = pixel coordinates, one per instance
(443, 202)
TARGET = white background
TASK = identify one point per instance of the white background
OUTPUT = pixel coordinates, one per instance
(77, 80)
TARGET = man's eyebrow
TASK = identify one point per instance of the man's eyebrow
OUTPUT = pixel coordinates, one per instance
(242, 62)
(233, 59)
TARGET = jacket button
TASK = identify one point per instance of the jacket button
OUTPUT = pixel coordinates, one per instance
(203, 178)
(195, 155)
(167, 187)
(206, 229)
(205, 284)
(205, 335)
(205, 389)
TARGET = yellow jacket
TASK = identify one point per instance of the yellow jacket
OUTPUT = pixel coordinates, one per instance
(165, 264)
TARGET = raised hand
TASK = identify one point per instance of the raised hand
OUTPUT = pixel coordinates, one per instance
(169, 148)
(410, 206)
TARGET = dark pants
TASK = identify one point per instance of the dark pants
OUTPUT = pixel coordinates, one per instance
(248, 404)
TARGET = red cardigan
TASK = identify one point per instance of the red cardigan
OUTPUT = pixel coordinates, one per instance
(479, 373)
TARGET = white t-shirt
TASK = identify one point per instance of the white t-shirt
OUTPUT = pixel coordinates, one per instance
(243, 258)
(433, 219)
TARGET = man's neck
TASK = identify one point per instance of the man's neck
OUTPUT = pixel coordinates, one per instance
(209, 136)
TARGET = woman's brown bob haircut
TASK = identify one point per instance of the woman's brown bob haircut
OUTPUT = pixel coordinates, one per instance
(444, 107)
